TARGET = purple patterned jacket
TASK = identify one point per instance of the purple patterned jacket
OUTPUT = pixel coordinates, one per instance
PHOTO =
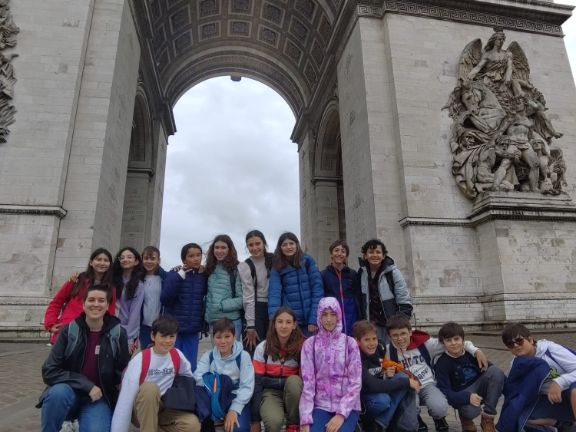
(331, 369)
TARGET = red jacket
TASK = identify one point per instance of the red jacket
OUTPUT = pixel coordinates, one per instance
(63, 309)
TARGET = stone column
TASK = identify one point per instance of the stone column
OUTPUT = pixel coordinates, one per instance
(63, 169)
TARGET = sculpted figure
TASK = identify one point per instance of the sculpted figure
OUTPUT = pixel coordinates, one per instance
(501, 133)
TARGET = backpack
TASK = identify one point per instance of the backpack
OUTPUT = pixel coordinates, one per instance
(74, 330)
(147, 355)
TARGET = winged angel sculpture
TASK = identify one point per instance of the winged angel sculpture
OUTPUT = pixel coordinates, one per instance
(501, 137)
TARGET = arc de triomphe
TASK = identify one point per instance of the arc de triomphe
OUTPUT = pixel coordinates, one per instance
(86, 111)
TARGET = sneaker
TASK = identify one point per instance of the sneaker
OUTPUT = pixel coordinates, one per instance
(467, 425)
(441, 424)
(422, 427)
(69, 426)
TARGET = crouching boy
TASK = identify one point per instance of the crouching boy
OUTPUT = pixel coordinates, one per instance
(468, 388)
(227, 361)
(148, 376)
(388, 402)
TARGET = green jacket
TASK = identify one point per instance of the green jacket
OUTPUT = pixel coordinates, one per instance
(221, 301)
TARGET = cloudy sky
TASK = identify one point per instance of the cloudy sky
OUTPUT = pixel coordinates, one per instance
(231, 166)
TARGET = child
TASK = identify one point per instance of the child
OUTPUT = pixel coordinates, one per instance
(295, 282)
(128, 276)
(68, 303)
(469, 389)
(148, 376)
(277, 365)
(254, 273)
(415, 350)
(383, 286)
(84, 367)
(228, 358)
(340, 281)
(183, 297)
(224, 295)
(556, 382)
(153, 281)
(382, 396)
(332, 375)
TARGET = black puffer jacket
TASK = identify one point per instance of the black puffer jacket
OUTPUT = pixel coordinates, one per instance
(61, 369)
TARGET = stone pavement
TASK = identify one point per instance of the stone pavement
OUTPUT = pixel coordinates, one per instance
(21, 382)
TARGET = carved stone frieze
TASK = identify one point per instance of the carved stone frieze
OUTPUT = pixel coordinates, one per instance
(472, 13)
(8, 32)
(502, 138)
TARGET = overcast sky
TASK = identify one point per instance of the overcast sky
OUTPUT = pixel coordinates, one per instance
(231, 166)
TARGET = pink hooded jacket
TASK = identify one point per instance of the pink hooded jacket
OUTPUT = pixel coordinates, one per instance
(331, 369)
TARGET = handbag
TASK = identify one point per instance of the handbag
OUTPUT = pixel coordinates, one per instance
(181, 396)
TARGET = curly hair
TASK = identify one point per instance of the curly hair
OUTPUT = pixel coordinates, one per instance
(230, 261)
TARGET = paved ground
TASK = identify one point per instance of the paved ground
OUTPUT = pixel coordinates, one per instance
(21, 382)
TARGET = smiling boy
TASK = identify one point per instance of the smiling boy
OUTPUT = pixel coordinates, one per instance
(149, 374)
(469, 389)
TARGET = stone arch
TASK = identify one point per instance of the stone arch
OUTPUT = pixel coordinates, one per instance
(137, 215)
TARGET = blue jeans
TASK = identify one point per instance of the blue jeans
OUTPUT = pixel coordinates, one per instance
(380, 407)
(61, 402)
(243, 420)
(188, 344)
(321, 417)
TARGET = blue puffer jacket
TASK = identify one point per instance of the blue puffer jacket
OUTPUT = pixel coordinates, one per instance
(222, 301)
(300, 289)
(183, 298)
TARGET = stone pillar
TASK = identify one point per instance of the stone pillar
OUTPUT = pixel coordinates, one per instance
(63, 169)
(327, 220)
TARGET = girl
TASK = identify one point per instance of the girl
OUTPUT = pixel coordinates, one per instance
(68, 303)
(254, 274)
(224, 294)
(277, 386)
(153, 281)
(340, 281)
(296, 282)
(128, 278)
(332, 375)
(183, 298)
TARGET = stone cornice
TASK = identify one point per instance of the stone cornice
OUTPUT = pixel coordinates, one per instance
(35, 210)
(535, 16)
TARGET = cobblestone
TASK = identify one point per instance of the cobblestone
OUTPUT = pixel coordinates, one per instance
(21, 381)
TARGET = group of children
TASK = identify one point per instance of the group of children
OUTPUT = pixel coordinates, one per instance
(328, 348)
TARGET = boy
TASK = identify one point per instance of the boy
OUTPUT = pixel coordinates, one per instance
(557, 400)
(229, 358)
(84, 367)
(416, 350)
(383, 398)
(383, 287)
(142, 390)
(469, 389)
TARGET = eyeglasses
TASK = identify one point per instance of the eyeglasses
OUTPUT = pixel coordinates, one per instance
(516, 341)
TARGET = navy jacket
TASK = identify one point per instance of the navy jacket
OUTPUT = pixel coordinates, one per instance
(350, 298)
(184, 299)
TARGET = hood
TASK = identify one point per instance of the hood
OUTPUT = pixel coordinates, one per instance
(418, 338)
(237, 349)
(329, 303)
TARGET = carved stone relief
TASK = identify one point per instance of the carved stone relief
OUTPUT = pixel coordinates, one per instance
(8, 32)
(502, 138)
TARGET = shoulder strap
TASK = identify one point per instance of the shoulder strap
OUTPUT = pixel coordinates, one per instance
(232, 275)
(146, 355)
(252, 271)
(390, 280)
(238, 360)
(239, 363)
(210, 359)
(426, 354)
(268, 259)
(393, 353)
(175, 360)
(73, 330)
(115, 339)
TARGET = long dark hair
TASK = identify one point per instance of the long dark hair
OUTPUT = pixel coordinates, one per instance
(294, 343)
(280, 260)
(230, 262)
(260, 235)
(136, 276)
(89, 273)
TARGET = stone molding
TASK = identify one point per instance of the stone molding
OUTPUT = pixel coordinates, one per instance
(506, 206)
(34, 210)
(545, 18)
